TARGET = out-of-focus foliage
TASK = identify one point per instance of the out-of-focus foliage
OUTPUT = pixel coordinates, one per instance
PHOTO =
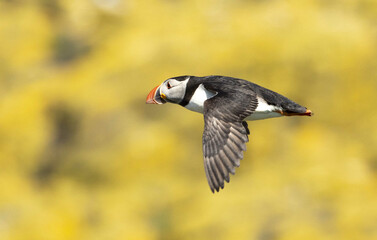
(83, 157)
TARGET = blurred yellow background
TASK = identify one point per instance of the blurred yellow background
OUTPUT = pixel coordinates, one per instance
(83, 157)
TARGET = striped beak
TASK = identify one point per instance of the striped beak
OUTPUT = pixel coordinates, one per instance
(154, 97)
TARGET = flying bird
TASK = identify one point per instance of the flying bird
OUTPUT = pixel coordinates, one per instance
(226, 103)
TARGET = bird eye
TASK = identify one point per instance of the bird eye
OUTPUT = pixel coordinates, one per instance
(168, 85)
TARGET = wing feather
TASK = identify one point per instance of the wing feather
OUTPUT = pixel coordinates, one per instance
(225, 136)
(227, 162)
(220, 165)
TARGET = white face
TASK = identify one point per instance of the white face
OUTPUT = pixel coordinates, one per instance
(174, 90)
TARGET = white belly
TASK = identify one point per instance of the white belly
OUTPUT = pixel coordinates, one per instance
(262, 115)
(263, 111)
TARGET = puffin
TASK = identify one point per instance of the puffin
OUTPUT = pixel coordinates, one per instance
(227, 104)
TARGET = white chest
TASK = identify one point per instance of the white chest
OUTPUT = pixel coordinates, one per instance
(197, 100)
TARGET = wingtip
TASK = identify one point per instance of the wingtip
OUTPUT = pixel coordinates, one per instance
(227, 179)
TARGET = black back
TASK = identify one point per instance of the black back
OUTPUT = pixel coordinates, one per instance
(237, 86)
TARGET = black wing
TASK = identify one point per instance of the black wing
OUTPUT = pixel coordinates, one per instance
(225, 133)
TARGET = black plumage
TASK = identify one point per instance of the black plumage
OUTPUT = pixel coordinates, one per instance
(232, 85)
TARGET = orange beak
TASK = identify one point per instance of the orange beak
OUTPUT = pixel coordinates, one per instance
(307, 113)
(154, 97)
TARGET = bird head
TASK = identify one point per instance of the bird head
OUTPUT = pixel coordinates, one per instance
(171, 90)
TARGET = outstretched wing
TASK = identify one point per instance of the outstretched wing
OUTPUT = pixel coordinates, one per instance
(225, 134)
